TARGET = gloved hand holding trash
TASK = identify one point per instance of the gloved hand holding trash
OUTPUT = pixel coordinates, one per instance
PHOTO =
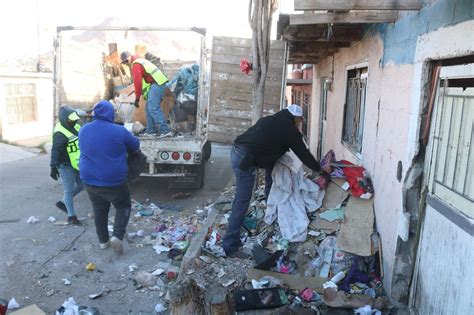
(54, 173)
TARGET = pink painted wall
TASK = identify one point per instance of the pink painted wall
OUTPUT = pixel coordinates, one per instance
(386, 125)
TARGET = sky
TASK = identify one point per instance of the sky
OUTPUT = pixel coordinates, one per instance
(28, 27)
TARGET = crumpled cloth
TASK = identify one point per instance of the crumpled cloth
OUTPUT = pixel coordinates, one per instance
(291, 196)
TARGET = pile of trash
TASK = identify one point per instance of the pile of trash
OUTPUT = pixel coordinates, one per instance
(334, 259)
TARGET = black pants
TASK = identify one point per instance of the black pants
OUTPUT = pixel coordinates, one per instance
(102, 198)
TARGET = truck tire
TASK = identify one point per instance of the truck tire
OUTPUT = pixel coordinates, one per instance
(206, 151)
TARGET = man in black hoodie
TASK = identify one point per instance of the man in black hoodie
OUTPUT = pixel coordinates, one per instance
(260, 147)
(65, 160)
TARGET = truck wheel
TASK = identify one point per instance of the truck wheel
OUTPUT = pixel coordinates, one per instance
(200, 174)
(206, 151)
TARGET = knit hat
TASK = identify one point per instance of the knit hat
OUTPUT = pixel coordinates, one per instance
(295, 110)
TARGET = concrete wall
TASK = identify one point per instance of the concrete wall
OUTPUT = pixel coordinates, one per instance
(397, 56)
(44, 93)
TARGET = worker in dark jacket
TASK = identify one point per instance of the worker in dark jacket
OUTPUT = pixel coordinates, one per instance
(260, 147)
(65, 158)
(104, 171)
(150, 82)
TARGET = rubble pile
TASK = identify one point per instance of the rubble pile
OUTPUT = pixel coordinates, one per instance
(337, 265)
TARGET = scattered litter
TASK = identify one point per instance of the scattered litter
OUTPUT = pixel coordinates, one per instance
(132, 267)
(29, 310)
(50, 292)
(181, 195)
(51, 219)
(145, 278)
(160, 249)
(69, 307)
(367, 310)
(66, 282)
(90, 267)
(13, 304)
(96, 295)
(32, 220)
(159, 308)
(333, 214)
(157, 272)
(199, 211)
(10, 220)
(228, 283)
(205, 259)
(140, 233)
(221, 273)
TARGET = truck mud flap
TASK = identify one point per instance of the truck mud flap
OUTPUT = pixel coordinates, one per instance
(194, 180)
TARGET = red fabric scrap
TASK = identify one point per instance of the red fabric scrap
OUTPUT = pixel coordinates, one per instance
(354, 175)
(245, 66)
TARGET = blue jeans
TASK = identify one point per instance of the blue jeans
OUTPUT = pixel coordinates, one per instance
(244, 181)
(154, 114)
(72, 185)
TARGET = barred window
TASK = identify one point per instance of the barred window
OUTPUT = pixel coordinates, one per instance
(21, 103)
(354, 108)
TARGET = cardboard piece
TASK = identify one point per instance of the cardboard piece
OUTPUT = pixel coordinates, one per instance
(324, 225)
(355, 234)
(294, 282)
(341, 299)
(29, 310)
(334, 196)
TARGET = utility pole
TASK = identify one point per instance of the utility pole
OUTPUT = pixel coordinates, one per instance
(260, 19)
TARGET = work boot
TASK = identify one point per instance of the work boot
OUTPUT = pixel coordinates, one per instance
(61, 206)
(116, 244)
(74, 220)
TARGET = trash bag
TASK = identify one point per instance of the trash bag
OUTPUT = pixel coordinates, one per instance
(136, 164)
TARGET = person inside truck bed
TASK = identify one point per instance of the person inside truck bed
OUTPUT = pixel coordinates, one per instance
(260, 147)
(150, 82)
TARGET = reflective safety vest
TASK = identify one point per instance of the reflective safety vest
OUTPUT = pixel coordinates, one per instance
(72, 143)
(155, 73)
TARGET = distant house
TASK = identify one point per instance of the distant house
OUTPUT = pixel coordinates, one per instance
(393, 91)
(26, 106)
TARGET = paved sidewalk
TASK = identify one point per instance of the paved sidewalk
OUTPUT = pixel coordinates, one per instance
(9, 153)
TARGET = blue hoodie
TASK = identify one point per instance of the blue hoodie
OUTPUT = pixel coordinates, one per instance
(104, 146)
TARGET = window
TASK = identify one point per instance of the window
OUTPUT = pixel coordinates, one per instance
(304, 100)
(21, 103)
(354, 108)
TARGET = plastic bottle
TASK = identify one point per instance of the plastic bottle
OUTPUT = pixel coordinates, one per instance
(338, 277)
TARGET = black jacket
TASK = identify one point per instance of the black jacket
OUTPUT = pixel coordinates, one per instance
(270, 138)
(59, 153)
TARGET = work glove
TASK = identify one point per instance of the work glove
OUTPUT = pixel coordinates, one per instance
(136, 104)
(54, 173)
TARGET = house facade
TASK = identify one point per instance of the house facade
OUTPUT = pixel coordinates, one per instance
(26, 106)
(397, 98)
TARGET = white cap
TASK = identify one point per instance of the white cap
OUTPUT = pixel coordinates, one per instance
(295, 110)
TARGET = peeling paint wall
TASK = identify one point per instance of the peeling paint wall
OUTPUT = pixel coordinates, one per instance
(396, 90)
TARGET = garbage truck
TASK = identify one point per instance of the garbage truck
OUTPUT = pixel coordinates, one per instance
(87, 69)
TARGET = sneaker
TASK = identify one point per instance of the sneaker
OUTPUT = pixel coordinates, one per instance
(74, 220)
(166, 135)
(116, 245)
(104, 245)
(61, 206)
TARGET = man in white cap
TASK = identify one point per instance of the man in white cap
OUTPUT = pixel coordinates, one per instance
(260, 147)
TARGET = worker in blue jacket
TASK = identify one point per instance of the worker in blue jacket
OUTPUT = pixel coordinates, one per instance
(103, 163)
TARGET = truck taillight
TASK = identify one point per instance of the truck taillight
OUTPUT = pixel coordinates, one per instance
(187, 156)
(175, 156)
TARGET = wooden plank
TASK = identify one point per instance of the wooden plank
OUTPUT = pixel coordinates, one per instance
(355, 234)
(334, 196)
(346, 17)
(345, 33)
(240, 87)
(235, 69)
(234, 59)
(294, 282)
(243, 51)
(314, 5)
